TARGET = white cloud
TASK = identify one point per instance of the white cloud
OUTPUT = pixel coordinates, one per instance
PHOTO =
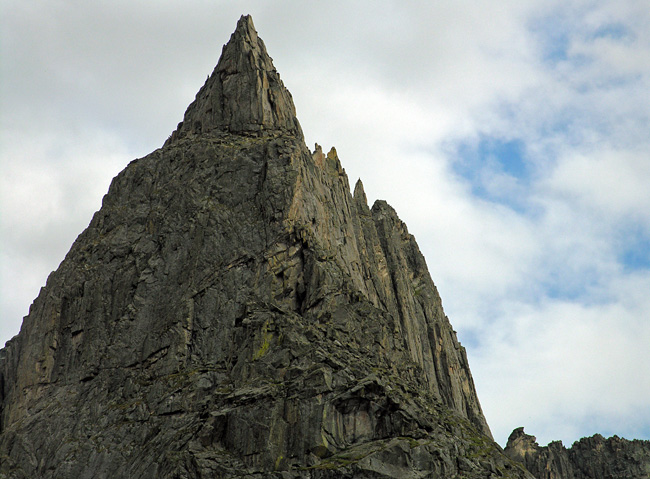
(611, 183)
(571, 364)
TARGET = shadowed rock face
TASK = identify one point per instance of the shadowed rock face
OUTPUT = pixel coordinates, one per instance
(589, 458)
(233, 311)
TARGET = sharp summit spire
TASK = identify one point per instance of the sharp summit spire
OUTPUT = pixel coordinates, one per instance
(244, 94)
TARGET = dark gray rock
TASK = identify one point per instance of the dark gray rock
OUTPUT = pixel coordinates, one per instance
(589, 458)
(233, 311)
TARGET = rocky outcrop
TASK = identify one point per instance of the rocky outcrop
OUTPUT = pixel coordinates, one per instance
(233, 311)
(589, 458)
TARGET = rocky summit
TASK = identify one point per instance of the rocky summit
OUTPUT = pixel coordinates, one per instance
(589, 458)
(233, 310)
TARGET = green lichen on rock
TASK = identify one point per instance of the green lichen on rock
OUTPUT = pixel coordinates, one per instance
(265, 340)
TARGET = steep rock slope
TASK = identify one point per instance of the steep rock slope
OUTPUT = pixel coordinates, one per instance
(233, 310)
(589, 458)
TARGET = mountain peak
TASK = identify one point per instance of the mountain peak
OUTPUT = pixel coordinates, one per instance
(245, 51)
(233, 311)
(243, 95)
(246, 28)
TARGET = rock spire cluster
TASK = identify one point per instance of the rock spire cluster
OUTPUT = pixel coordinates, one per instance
(589, 458)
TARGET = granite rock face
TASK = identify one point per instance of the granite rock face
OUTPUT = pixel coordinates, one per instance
(589, 458)
(232, 310)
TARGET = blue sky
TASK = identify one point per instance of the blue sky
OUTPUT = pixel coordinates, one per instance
(516, 150)
(479, 162)
(635, 250)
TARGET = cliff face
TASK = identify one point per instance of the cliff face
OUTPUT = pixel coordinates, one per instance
(589, 458)
(233, 310)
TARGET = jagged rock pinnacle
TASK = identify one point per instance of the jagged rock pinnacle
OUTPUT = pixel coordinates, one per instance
(244, 94)
(359, 193)
(594, 457)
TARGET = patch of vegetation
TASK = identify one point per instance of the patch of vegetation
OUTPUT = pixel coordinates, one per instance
(349, 457)
(413, 443)
(266, 342)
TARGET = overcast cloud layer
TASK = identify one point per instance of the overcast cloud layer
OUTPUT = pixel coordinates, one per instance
(511, 137)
